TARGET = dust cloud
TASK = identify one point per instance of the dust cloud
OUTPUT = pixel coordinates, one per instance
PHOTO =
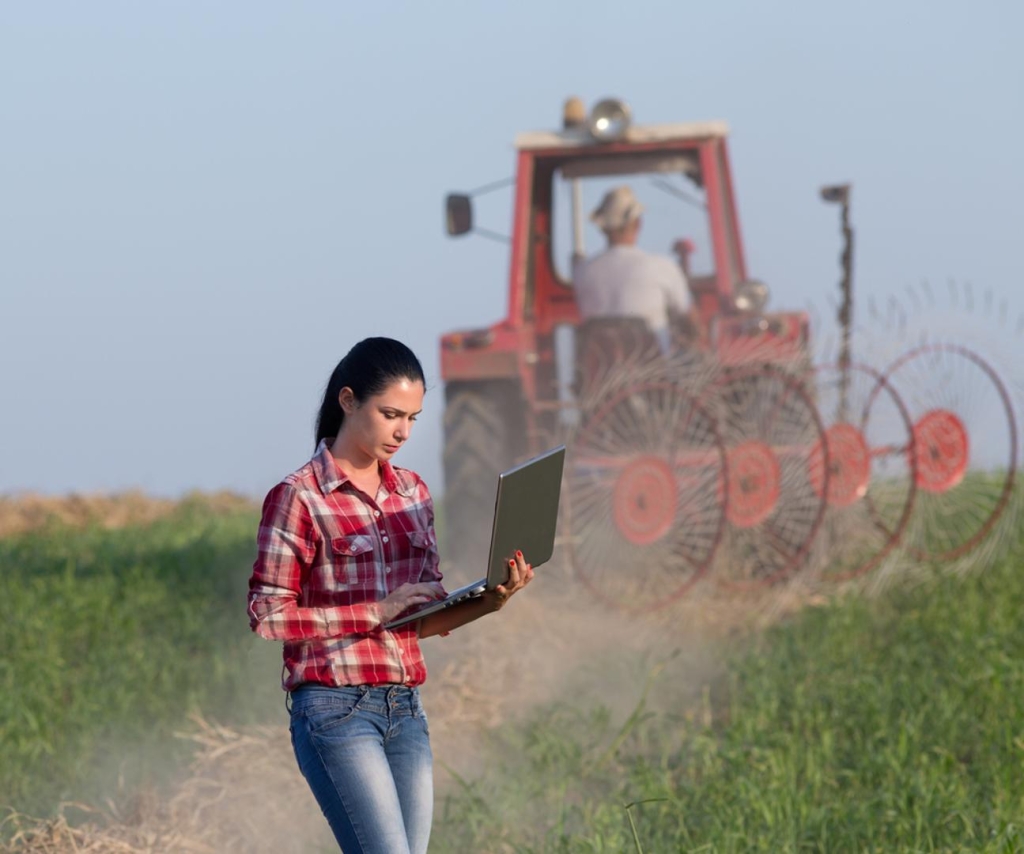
(555, 643)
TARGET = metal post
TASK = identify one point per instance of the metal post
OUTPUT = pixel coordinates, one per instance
(578, 250)
(840, 193)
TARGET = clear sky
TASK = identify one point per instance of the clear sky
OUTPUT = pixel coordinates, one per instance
(204, 205)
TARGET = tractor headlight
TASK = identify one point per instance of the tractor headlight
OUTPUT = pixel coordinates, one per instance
(609, 120)
(750, 296)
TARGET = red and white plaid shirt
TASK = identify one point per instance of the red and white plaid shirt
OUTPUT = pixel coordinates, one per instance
(328, 554)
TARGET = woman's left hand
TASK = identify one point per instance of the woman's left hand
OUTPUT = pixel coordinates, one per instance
(520, 573)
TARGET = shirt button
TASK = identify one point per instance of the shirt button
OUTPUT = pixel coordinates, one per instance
(387, 569)
(376, 513)
(385, 539)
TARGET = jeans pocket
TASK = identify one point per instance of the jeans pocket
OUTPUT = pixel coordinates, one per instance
(324, 715)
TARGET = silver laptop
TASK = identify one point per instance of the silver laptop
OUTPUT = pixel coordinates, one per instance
(525, 517)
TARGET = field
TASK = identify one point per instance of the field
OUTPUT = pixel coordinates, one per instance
(131, 686)
(109, 638)
(890, 724)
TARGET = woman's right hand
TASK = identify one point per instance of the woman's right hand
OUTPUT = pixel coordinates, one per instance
(407, 596)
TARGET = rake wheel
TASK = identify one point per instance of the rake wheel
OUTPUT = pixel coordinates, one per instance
(643, 478)
(966, 446)
(872, 467)
(770, 426)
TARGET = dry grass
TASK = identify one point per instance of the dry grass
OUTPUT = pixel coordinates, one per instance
(243, 793)
(29, 511)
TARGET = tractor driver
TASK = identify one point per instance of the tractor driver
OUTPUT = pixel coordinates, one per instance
(626, 281)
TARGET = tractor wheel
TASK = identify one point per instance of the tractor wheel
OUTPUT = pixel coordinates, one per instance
(770, 427)
(482, 437)
(966, 440)
(871, 468)
(644, 517)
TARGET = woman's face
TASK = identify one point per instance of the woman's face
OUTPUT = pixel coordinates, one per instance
(381, 424)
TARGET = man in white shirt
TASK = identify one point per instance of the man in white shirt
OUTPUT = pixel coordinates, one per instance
(624, 280)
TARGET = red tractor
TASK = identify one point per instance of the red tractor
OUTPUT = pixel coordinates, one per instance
(654, 492)
(732, 451)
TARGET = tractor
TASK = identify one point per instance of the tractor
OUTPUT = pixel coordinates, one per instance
(512, 387)
(731, 455)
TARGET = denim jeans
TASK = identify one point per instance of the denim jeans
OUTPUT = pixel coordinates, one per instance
(365, 753)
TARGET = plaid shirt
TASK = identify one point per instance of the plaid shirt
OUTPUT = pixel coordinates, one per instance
(328, 553)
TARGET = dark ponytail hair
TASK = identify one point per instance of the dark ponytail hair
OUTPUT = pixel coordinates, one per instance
(368, 368)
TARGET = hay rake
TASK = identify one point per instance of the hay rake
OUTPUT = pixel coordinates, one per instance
(750, 475)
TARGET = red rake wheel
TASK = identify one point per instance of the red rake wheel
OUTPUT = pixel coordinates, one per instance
(871, 482)
(642, 479)
(942, 450)
(849, 468)
(770, 425)
(645, 500)
(754, 484)
(966, 447)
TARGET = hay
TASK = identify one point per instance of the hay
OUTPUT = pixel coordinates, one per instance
(243, 793)
(30, 511)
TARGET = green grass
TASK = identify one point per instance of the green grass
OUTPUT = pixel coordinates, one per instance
(893, 724)
(109, 639)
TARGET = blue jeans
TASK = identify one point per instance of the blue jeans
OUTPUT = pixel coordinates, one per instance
(365, 753)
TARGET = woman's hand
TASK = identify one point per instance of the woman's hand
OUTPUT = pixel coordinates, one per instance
(407, 596)
(520, 573)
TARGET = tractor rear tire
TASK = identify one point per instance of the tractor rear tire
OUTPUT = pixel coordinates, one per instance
(483, 436)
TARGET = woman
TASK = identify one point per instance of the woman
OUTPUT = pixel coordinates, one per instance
(346, 544)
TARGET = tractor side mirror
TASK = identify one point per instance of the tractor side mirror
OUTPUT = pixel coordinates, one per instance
(458, 214)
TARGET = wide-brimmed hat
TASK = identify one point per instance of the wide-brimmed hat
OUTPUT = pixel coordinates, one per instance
(618, 208)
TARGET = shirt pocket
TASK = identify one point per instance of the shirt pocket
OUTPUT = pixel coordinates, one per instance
(422, 552)
(352, 561)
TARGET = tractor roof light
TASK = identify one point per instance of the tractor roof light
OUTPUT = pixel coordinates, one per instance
(750, 297)
(609, 120)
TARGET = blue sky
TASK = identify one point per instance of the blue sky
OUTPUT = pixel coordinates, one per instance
(203, 206)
